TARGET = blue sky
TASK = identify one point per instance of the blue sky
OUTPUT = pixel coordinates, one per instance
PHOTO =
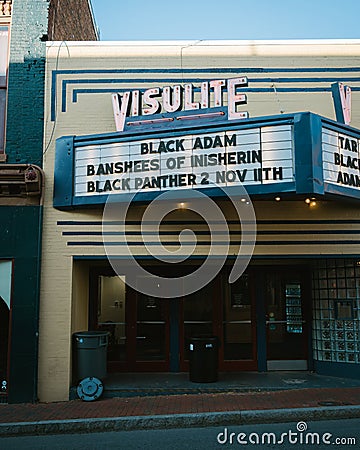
(227, 19)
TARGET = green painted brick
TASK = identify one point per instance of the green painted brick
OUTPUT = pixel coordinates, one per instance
(25, 108)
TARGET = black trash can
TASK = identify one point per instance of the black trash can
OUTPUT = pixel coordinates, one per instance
(90, 354)
(203, 359)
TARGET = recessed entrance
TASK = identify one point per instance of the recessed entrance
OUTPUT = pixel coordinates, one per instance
(261, 321)
(152, 334)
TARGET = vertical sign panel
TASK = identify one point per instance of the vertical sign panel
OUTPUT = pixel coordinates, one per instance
(340, 159)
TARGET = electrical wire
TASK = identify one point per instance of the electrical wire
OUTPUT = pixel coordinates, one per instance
(55, 105)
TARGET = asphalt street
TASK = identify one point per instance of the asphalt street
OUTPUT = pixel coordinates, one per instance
(342, 434)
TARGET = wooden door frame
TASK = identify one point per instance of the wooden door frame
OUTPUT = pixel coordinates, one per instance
(129, 364)
(94, 273)
(240, 364)
(184, 363)
(218, 330)
(150, 366)
(301, 274)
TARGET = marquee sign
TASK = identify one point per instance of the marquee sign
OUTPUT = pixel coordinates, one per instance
(341, 159)
(261, 155)
(292, 155)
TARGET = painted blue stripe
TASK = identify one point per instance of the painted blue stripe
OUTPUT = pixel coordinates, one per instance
(150, 243)
(200, 222)
(148, 257)
(230, 258)
(232, 70)
(142, 81)
(207, 233)
(53, 95)
(146, 233)
(200, 80)
(214, 70)
(77, 92)
(207, 243)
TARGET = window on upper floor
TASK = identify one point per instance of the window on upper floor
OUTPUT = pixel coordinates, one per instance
(4, 55)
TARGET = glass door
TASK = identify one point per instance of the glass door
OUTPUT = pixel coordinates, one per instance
(152, 330)
(198, 319)
(111, 314)
(239, 332)
(138, 326)
(286, 324)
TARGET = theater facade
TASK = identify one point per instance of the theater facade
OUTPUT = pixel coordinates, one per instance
(204, 188)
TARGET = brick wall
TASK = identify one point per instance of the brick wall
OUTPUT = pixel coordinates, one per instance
(71, 20)
(31, 22)
(25, 107)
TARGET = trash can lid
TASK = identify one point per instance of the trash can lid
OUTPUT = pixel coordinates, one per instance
(90, 389)
(91, 333)
(204, 338)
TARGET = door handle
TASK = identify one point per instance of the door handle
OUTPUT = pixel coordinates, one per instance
(236, 321)
(151, 322)
(269, 322)
(275, 321)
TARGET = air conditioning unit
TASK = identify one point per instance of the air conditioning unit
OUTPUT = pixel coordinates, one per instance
(20, 180)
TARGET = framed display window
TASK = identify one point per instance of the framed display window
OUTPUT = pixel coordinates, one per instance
(336, 323)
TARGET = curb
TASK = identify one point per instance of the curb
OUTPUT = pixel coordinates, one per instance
(177, 420)
(152, 392)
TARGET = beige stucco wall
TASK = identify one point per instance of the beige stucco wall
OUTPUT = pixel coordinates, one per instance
(64, 282)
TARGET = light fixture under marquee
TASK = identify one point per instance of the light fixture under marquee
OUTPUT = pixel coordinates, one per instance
(311, 201)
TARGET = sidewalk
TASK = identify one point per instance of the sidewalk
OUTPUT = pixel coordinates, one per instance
(195, 409)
